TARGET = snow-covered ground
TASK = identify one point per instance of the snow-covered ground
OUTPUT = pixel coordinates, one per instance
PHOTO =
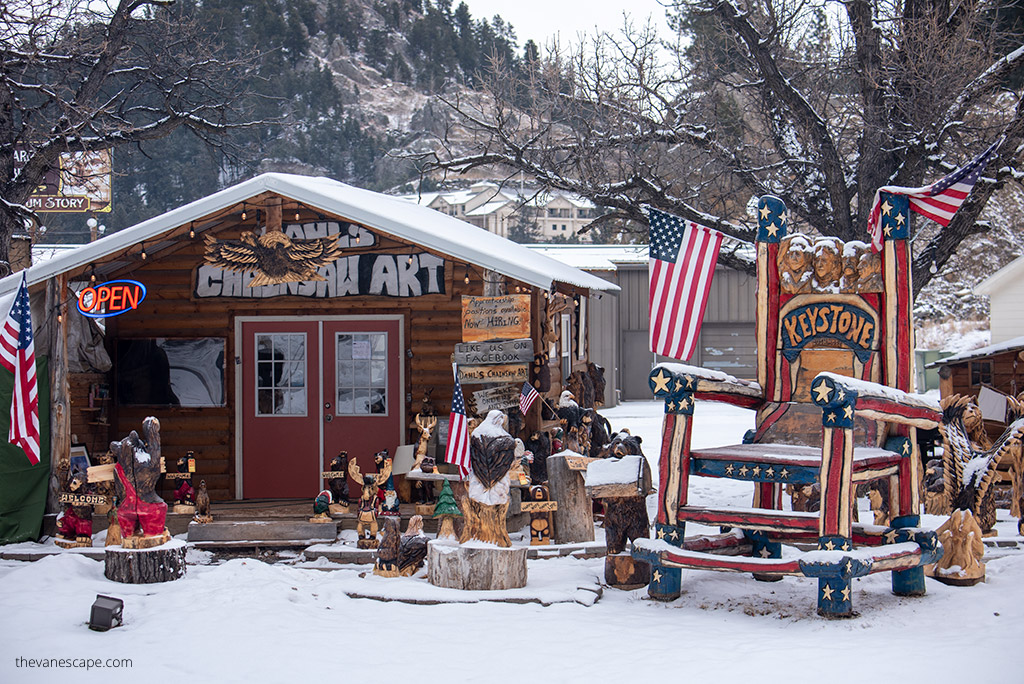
(248, 621)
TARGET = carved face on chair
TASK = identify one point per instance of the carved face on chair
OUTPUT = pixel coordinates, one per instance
(795, 266)
(828, 265)
(870, 272)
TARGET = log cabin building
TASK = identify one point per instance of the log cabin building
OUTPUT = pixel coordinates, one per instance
(266, 383)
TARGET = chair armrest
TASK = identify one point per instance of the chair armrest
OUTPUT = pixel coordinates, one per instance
(875, 401)
(670, 379)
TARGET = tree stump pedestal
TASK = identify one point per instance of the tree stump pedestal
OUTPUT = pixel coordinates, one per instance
(574, 517)
(163, 563)
(475, 566)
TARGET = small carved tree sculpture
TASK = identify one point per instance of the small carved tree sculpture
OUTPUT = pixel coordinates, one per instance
(447, 510)
(962, 550)
(369, 502)
(491, 453)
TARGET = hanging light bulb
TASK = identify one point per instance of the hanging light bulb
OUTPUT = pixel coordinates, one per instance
(934, 268)
(467, 279)
(296, 213)
(410, 259)
(92, 277)
(358, 238)
(244, 214)
(143, 255)
(191, 231)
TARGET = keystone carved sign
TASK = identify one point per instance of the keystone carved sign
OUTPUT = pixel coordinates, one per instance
(842, 321)
(409, 274)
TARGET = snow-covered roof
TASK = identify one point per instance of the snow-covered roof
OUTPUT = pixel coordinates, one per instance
(487, 208)
(390, 215)
(1008, 345)
(594, 257)
(1010, 273)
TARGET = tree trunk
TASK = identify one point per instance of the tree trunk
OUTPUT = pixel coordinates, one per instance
(574, 517)
(164, 563)
(475, 567)
(60, 414)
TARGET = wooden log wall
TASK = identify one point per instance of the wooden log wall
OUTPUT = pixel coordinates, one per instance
(90, 425)
(432, 328)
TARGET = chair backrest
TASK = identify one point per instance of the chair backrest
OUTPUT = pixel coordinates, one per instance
(827, 305)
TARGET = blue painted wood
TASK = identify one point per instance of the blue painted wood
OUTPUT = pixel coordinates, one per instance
(911, 582)
(745, 471)
(834, 597)
(666, 583)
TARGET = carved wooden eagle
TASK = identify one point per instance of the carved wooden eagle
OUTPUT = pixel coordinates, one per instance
(491, 450)
(274, 256)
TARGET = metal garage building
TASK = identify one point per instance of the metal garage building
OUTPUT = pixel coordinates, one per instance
(619, 325)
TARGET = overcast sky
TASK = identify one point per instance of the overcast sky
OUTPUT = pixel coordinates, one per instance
(543, 19)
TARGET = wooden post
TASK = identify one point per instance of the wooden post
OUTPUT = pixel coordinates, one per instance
(273, 206)
(574, 517)
(771, 228)
(60, 405)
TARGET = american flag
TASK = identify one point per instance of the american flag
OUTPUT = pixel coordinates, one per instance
(527, 396)
(457, 451)
(938, 201)
(18, 355)
(683, 258)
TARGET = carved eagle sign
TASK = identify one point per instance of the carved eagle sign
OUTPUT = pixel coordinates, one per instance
(273, 256)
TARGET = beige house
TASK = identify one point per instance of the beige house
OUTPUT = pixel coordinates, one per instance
(1005, 288)
(499, 209)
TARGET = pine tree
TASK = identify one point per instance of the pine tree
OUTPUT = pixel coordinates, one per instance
(447, 510)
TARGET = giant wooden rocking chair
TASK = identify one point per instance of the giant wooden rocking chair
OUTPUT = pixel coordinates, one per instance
(821, 306)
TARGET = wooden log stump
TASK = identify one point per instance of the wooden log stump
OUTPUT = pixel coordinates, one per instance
(624, 572)
(574, 517)
(163, 563)
(475, 566)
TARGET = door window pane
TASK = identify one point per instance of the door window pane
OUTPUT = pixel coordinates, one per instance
(281, 374)
(362, 373)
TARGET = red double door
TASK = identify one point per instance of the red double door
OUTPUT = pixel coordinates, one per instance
(309, 389)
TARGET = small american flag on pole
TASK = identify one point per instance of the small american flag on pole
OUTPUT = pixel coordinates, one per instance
(938, 201)
(18, 355)
(527, 396)
(457, 451)
(683, 258)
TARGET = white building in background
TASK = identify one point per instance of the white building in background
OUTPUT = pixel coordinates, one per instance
(1005, 289)
(499, 209)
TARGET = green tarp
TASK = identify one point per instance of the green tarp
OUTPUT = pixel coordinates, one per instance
(23, 486)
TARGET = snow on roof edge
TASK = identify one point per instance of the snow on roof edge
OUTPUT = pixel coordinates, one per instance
(1006, 345)
(342, 199)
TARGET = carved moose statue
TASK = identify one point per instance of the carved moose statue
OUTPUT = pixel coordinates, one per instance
(369, 502)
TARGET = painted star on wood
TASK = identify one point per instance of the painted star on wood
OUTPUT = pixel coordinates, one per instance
(849, 567)
(784, 473)
(765, 553)
(823, 391)
(890, 537)
(770, 472)
(845, 546)
(829, 546)
(756, 471)
(846, 593)
(888, 229)
(848, 412)
(886, 208)
(656, 577)
(661, 381)
(671, 406)
(679, 385)
(728, 469)
(826, 593)
(900, 218)
(674, 535)
(772, 229)
(782, 217)
(906, 448)
(831, 417)
(765, 213)
(661, 533)
(743, 471)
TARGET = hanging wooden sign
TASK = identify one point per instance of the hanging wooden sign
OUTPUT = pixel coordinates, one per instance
(487, 353)
(495, 318)
(470, 375)
(82, 499)
(504, 397)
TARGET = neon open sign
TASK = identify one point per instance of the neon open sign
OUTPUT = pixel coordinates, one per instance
(111, 299)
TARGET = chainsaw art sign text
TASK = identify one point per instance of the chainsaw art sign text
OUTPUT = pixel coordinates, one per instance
(363, 274)
(470, 375)
(495, 318)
